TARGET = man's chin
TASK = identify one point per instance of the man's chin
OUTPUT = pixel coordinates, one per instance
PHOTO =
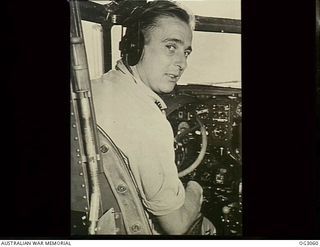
(167, 89)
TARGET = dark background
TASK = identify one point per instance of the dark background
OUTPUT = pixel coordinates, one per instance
(280, 126)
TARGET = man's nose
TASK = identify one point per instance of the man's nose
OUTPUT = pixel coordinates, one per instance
(181, 61)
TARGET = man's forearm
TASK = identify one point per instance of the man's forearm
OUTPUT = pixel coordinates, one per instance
(179, 221)
(191, 208)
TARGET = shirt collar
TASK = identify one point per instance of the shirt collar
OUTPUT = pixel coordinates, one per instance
(143, 87)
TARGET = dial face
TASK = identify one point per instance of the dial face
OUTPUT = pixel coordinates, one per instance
(219, 131)
(183, 126)
(202, 111)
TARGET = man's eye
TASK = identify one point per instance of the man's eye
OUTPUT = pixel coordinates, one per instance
(187, 53)
(171, 47)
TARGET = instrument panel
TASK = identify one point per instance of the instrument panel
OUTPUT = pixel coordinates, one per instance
(219, 111)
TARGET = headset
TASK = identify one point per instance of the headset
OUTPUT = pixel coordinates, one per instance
(132, 43)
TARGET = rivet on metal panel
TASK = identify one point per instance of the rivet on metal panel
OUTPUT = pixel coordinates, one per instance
(135, 228)
(84, 197)
(86, 208)
(81, 173)
(76, 138)
(82, 185)
(78, 150)
(104, 149)
(78, 155)
(72, 113)
(79, 162)
(74, 125)
(83, 217)
(121, 188)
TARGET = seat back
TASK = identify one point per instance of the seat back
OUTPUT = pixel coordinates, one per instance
(116, 170)
(121, 211)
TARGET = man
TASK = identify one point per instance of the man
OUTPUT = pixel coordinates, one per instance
(155, 49)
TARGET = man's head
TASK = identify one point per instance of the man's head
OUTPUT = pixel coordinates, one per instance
(163, 46)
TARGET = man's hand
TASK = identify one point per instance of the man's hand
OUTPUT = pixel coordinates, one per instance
(195, 187)
(194, 196)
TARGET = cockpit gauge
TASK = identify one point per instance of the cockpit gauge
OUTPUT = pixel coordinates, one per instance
(202, 111)
(219, 131)
(183, 126)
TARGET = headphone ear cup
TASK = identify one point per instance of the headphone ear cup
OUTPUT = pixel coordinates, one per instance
(135, 48)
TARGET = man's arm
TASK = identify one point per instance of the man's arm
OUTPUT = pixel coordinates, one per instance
(179, 221)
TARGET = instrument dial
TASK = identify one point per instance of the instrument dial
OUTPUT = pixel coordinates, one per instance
(202, 111)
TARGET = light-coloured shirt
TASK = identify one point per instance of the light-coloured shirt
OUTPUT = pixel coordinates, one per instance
(128, 111)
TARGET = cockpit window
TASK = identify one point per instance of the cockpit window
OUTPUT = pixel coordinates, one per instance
(93, 38)
(217, 60)
(217, 57)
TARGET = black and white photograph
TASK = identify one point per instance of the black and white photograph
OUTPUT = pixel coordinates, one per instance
(156, 118)
(184, 120)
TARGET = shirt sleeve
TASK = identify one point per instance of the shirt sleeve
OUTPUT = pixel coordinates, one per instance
(163, 190)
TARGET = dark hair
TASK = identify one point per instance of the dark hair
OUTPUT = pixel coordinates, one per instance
(157, 9)
(143, 19)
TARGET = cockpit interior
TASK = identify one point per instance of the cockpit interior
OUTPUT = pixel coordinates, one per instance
(204, 111)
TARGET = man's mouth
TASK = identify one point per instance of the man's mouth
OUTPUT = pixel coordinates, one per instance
(173, 77)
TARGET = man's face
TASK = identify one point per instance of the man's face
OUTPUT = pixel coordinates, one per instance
(164, 57)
